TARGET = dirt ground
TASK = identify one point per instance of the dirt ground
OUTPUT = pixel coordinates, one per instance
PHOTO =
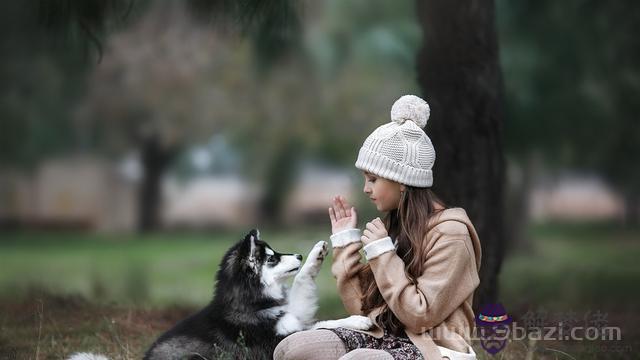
(44, 326)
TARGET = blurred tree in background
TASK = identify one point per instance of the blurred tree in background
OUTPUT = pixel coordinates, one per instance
(161, 96)
(156, 133)
(572, 78)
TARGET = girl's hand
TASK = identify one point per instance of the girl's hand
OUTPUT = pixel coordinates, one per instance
(343, 216)
(375, 230)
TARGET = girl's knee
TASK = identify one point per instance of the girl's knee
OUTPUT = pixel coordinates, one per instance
(286, 349)
(309, 345)
(369, 354)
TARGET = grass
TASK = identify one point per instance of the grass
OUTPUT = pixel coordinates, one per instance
(136, 287)
(583, 269)
(576, 267)
(151, 270)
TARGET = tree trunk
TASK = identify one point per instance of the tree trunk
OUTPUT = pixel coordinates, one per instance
(459, 73)
(278, 182)
(154, 159)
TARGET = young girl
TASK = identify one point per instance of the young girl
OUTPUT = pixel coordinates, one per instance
(422, 259)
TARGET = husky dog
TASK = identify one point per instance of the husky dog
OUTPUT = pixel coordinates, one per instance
(252, 308)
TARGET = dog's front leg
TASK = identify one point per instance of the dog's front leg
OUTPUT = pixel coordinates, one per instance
(288, 324)
(355, 322)
(303, 296)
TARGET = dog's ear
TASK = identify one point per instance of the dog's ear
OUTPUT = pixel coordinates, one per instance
(255, 232)
(249, 248)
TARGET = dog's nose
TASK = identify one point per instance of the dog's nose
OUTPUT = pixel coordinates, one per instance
(299, 257)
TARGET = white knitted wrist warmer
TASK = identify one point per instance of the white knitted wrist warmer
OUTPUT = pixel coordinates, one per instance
(345, 237)
(378, 247)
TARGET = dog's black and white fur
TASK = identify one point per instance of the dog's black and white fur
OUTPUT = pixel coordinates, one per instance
(252, 309)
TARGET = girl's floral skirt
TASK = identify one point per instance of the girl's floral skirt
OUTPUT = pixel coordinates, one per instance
(400, 347)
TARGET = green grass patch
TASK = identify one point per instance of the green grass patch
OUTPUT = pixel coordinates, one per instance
(145, 271)
(573, 266)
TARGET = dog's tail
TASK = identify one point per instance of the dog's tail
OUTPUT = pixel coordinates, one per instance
(87, 356)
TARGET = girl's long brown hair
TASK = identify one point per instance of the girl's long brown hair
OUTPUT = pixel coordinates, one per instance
(407, 225)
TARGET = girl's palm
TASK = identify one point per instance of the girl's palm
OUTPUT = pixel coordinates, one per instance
(342, 215)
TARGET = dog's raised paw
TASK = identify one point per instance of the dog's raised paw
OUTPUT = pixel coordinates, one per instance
(322, 245)
(314, 261)
(319, 251)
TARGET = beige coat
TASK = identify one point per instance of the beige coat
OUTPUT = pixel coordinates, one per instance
(436, 310)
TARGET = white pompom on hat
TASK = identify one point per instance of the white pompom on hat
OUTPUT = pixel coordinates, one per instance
(400, 150)
(410, 108)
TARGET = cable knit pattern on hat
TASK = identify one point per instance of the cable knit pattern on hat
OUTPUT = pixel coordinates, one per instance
(400, 150)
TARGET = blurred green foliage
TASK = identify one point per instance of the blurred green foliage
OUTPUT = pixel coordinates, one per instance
(570, 72)
(41, 82)
(572, 75)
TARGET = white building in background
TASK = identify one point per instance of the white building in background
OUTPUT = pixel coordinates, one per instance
(232, 201)
(313, 190)
(209, 201)
(76, 192)
(575, 197)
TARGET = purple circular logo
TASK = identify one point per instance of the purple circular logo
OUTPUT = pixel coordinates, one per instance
(493, 326)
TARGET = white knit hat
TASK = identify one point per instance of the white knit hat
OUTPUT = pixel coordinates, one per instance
(400, 150)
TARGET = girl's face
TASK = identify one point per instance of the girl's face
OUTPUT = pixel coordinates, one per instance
(384, 193)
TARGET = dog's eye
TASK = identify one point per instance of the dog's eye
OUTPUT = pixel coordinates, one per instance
(271, 259)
